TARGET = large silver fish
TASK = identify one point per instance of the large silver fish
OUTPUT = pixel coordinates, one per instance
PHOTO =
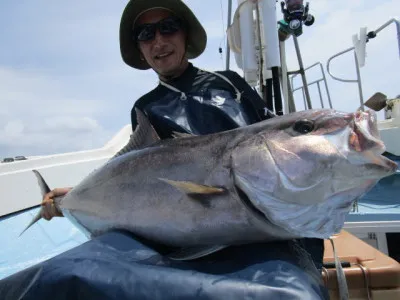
(291, 176)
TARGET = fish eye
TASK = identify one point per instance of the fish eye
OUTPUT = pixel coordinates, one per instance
(303, 126)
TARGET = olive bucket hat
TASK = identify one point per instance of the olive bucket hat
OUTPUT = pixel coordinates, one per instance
(197, 37)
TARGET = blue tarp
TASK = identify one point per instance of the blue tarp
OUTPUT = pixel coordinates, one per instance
(41, 242)
(118, 266)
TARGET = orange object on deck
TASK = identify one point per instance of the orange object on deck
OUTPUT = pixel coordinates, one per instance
(371, 274)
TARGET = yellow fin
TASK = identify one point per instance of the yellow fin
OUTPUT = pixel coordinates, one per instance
(194, 188)
(176, 134)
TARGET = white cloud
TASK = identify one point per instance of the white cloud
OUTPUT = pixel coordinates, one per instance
(64, 87)
(42, 114)
(32, 92)
(14, 129)
(39, 117)
(71, 124)
(53, 135)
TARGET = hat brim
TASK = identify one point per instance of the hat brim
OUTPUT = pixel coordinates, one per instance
(197, 37)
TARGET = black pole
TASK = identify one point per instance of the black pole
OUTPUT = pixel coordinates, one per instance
(277, 91)
(268, 94)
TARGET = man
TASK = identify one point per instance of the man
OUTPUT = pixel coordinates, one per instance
(164, 35)
(186, 99)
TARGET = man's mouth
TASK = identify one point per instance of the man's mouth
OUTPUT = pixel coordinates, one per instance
(162, 55)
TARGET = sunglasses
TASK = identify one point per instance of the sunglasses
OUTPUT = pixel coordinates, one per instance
(147, 32)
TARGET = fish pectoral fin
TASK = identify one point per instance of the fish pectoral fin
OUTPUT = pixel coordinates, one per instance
(194, 188)
(191, 253)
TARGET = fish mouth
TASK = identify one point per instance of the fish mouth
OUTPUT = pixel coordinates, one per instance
(364, 139)
(364, 135)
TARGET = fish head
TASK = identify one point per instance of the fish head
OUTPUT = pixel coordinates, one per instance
(314, 157)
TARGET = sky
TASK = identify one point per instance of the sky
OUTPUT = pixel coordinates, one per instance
(64, 86)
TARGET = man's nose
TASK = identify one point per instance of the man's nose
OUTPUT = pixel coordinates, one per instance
(158, 38)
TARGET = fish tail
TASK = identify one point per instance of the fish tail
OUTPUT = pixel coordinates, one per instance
(34, 220)
(44, 189)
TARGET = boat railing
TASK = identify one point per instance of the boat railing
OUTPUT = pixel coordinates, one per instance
(359, 55)
(359, 58)
(318, 82)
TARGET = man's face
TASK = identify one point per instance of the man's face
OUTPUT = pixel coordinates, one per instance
(165, 52)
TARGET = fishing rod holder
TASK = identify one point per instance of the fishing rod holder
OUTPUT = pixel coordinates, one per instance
(295, 14)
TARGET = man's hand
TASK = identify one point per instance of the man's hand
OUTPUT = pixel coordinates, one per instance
(48, 208)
